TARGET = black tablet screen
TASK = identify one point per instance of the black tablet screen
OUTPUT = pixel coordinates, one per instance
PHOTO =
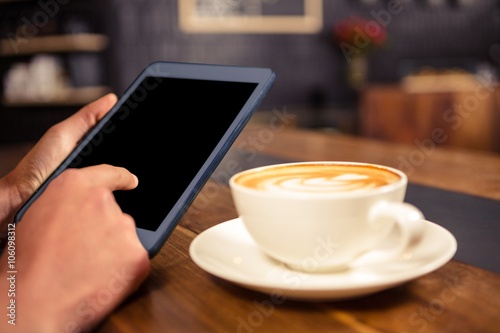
(164, 133)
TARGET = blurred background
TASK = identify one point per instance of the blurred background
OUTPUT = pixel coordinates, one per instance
(406, 71)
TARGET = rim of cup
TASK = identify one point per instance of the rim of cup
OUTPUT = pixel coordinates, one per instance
(403, 179)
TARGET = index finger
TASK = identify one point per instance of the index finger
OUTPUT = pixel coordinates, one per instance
(112, 177)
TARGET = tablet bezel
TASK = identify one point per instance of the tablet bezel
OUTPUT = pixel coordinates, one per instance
(263, 77)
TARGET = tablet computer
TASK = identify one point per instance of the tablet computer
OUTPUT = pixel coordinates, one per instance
(171, 128)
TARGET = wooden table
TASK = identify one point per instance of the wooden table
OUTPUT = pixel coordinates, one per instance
(178, 296)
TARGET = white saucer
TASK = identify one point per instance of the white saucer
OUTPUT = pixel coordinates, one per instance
(227, 251)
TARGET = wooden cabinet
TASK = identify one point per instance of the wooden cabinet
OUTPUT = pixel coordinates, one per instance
(467, 117)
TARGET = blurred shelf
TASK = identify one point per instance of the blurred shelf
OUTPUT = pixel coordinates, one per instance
(73, 36)
(83, 42)
(66, 97)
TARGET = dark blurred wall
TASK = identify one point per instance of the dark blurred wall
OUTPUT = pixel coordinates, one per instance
(309, 66)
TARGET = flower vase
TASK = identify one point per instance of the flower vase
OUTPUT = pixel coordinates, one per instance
(357, 71)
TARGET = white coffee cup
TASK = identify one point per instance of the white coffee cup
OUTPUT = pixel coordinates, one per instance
(325, 216)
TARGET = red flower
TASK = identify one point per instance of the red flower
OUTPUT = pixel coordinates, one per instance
(359, 34)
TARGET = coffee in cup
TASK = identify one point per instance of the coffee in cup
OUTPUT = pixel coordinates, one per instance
(325, 216)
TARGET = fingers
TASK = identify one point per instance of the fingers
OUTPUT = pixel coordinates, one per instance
(60, 139)
(97, 109)
(88, 116)
(73, 128)
(111, 177)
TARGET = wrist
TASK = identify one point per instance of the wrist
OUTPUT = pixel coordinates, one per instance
(4, 205)
(9, 203)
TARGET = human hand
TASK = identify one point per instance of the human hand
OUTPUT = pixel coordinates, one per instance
(77, 254)
(46, 155)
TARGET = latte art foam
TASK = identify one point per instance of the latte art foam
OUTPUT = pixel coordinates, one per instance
(318, 178)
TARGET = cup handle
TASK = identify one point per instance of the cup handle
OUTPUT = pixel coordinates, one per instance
(411, 224)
